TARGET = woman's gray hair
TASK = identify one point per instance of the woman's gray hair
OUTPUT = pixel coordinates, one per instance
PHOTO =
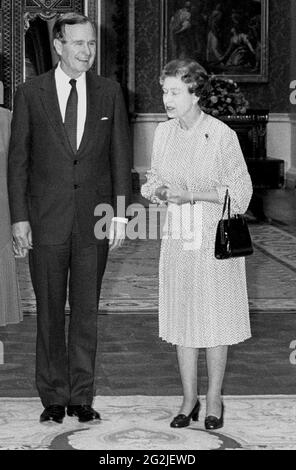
(189, 71)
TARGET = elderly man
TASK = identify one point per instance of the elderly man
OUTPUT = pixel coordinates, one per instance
(69, 152)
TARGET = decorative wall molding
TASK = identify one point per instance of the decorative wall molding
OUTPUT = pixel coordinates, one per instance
(131, 80)
(291, 173)
(281, 142)
(282, 117)
(13, 12)
(112, 18)
(47, 9)
(149, 117)
(113, 42)
(92, 9)
(273, 117)
(7, 35)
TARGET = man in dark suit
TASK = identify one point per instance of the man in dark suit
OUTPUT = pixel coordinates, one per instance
(69, 152)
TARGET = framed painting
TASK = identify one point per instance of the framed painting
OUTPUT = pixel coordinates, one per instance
(228, 38)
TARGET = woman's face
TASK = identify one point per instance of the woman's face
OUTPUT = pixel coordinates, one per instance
(177, 99)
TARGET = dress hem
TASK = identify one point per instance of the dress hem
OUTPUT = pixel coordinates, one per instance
(207, 346)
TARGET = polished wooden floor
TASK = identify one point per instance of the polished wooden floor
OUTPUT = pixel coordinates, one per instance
(132, 359)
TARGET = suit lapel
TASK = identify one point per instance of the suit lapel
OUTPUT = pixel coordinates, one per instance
(51, 107)
(94, 105)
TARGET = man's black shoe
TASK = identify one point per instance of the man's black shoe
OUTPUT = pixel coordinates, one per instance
(53, 413)
(83, 412)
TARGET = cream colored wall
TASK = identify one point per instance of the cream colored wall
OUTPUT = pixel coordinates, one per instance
(281, 140)
(291, 173)
(281, 143)
(144, 126)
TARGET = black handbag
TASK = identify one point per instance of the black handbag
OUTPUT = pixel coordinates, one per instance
(232, 237)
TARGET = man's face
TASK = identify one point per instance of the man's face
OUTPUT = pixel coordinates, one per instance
(77, 50)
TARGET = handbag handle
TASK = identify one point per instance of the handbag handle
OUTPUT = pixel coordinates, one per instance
(226, 203)
(226, 200)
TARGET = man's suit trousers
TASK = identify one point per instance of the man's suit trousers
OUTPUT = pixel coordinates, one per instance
(65, 368)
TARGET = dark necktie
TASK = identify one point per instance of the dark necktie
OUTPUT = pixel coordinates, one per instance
(71, 116)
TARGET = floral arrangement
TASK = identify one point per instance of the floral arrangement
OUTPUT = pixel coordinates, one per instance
(223, 97)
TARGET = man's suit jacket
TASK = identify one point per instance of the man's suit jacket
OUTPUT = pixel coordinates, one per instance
(48, 184)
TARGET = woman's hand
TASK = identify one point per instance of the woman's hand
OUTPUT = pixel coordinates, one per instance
(178, 196)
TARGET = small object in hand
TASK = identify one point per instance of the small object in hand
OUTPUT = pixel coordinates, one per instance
(161, 193)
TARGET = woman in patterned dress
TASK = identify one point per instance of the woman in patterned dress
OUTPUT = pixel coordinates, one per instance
(203, 301)
(10, 302)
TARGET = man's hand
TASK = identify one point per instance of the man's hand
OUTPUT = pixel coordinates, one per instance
(19, 252)
(117, 234)
(22, 238)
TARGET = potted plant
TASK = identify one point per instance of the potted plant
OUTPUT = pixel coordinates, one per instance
(223, 97)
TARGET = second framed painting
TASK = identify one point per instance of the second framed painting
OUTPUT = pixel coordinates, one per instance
(229, 38)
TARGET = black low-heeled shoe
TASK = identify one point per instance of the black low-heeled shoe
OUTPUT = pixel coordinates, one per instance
(182, 421)
(53, 413)
(212, 422)
(84, 413)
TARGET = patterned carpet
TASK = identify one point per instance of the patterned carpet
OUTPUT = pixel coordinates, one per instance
(131, 280)
(141, 422)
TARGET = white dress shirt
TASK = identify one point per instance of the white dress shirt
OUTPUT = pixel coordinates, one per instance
(63, 90)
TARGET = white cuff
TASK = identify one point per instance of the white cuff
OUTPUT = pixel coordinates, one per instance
(120, 219)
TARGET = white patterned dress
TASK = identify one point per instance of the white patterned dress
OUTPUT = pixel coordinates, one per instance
(202, 301)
